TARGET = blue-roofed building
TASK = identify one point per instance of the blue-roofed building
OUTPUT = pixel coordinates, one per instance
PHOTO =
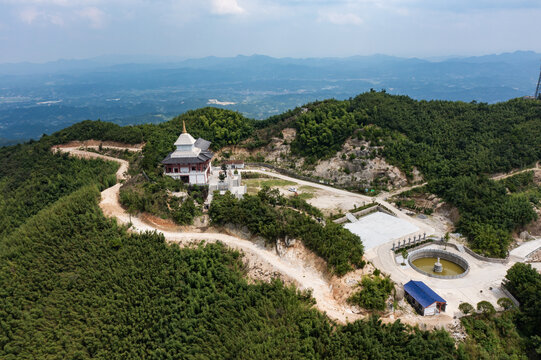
(423, 298)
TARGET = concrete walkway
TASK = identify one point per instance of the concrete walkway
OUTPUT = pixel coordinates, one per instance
(526, 249)
(483, 281)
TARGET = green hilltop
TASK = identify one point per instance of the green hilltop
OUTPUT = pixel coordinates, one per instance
(74, 284)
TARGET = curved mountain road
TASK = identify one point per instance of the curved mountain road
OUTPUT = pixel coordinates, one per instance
(513, 173)
(304, 277)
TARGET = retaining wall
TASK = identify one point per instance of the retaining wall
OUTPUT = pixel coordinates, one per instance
(466, 249)
(484, 258)
(385, 210)
(361, 213)
(442, 255)
(509, 295)
(341, 220)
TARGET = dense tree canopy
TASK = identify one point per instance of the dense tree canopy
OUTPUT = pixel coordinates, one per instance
(515, 333)
(454, 144)
(524, 282)
(322, 131)
(488, 214)
(374, 293)
(32, 177)
(274, 217)
(222, 127)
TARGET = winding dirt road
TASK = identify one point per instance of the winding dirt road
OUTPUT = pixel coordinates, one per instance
(294, 270)
(512, 173)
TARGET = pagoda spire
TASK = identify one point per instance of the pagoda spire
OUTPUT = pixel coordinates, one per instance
(184, 127)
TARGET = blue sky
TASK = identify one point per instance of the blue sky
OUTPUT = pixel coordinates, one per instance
(45, 30)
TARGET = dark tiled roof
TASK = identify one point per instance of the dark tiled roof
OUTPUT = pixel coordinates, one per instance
(203, 156)
(422, 293)
(202, 144)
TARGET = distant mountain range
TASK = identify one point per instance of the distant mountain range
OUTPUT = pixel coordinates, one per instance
(42, 98)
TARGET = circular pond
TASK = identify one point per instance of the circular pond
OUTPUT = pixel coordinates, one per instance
(438, 263)
(449, 268)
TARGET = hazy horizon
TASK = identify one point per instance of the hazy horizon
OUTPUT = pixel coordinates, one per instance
(149, 58)
(40, 31)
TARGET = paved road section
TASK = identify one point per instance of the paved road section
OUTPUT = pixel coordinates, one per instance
(526, 249)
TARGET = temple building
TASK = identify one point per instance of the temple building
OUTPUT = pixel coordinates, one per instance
(190, 162)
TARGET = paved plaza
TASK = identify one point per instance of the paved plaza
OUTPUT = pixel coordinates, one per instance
(379, 228)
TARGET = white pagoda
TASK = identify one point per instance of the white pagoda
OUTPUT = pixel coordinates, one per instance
(190, 162)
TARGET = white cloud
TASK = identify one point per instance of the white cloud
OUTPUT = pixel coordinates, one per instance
(340, 18)
(60, 3)
(32, 15)
(94, 15)
(28, 15)
(226, 7)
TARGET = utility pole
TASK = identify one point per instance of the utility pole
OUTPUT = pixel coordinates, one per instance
(538, 88)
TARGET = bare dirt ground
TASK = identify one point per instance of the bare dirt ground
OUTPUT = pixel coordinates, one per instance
(343, 195)
(159, 223)
(440, 221)
(354, 164)
(388, 194)
(534, 228)
(329, 202)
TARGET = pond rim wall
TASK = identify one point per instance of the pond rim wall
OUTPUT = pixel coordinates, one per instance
(442, 254)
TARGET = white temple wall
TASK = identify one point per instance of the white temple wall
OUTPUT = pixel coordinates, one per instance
(201, 179)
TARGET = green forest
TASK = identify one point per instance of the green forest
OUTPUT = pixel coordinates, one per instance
(139, 195)
(74, 284)
(513, 333)
(32, 177)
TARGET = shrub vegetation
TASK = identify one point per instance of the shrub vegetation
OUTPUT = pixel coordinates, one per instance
(274, 217)
(374, 293)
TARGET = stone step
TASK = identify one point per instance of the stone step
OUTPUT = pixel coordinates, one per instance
(351, 217)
